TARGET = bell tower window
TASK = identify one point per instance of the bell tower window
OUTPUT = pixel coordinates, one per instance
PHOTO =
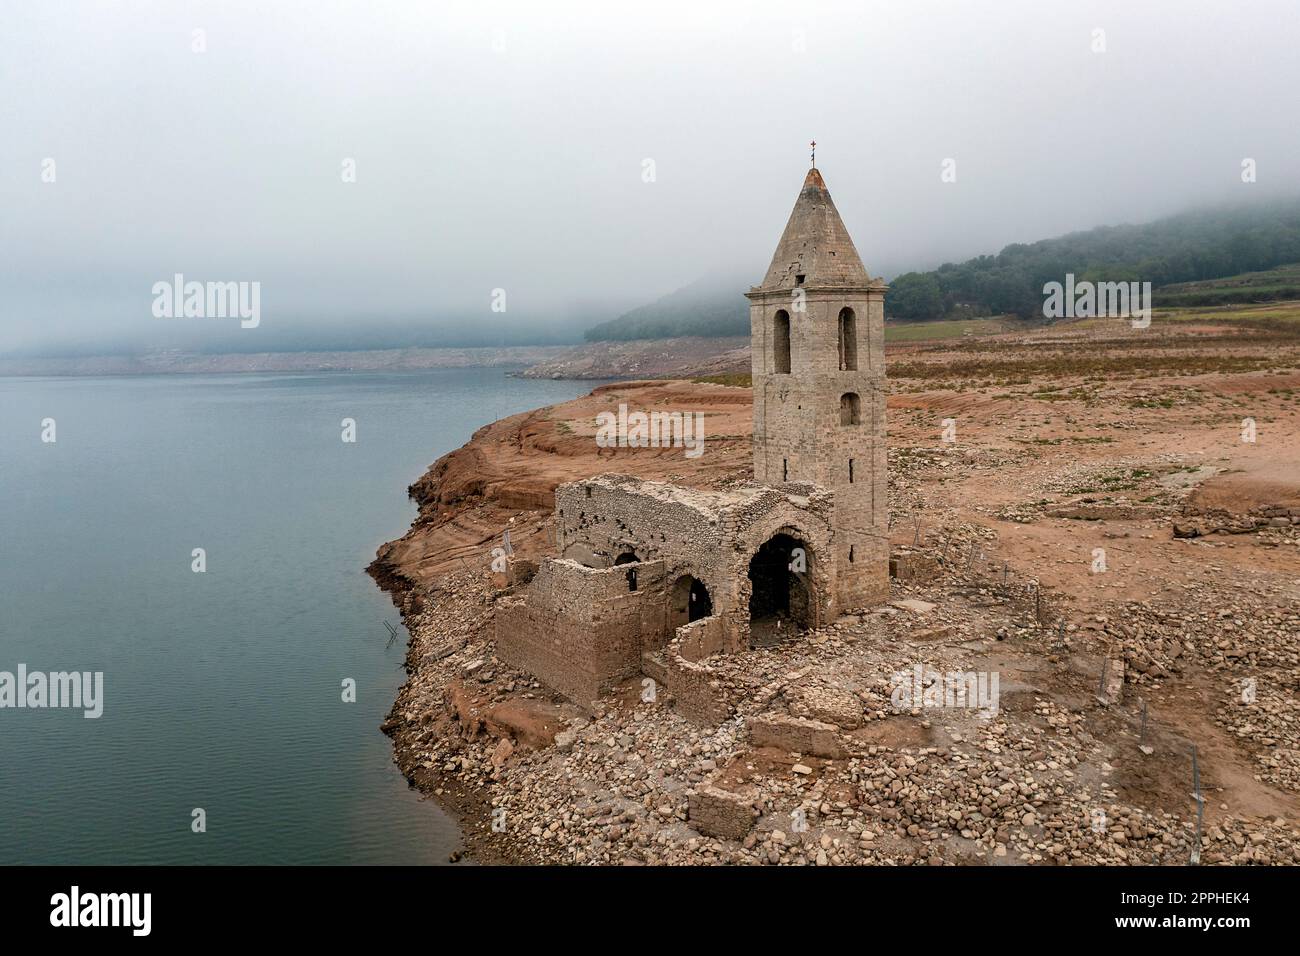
(781, 343)
(850, 408)
(848, 340)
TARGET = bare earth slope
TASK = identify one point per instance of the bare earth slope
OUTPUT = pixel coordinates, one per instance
(505, 477)
(1098, 503)
(647, 358)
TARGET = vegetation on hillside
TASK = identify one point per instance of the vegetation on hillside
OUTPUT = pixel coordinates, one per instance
(1182, 256)
(1190, 247)
(1270, 286)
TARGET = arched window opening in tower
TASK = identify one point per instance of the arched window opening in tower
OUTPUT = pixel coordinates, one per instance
(848, 340)
(781, 343)
(850, 408)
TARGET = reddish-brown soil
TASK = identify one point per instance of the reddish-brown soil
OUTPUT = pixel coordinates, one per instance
(505, 478)
(1068, 439)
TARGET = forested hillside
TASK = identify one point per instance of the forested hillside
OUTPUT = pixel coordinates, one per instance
(1191, 247)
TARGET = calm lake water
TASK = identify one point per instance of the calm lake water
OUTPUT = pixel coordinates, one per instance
(222, 690)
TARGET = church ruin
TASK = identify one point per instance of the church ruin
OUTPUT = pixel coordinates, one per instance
(653, 578)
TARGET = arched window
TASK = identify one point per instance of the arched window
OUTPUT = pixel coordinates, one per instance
(781, 343)
(689, 601)
(848, 340)
(850, 408)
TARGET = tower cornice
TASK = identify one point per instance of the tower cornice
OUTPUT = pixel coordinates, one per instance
(761, 293)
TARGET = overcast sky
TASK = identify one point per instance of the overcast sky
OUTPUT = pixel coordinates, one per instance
(504, 146)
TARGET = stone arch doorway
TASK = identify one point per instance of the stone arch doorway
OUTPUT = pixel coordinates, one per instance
(781, 601)
(627, 557)
(688, 601)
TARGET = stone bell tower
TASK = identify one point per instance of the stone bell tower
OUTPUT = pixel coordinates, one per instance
(817, 326)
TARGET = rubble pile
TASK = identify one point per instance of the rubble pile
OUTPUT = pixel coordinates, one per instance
(819, 766)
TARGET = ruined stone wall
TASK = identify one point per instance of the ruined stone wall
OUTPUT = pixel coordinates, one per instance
(583, 630)
(697, 694)
(709, 535)
(604, 517)
(600, 519)
(701, 639)
(580, 630)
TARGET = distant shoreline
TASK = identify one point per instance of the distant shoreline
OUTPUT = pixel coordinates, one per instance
(195, 363)
(684, 357)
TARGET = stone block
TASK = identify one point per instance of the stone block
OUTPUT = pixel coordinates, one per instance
(722, 813)
(797, 735)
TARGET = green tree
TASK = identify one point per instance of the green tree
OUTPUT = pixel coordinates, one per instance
(914, 295)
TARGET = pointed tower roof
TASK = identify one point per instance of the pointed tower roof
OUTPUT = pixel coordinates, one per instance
(815, 245)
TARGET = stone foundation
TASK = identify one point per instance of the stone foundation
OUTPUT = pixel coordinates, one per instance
(797, 735)
(581, 630)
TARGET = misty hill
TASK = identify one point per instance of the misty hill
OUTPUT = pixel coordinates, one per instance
(712, 306)
(1191, 247)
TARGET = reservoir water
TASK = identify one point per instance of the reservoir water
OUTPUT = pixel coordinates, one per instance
(222, 688)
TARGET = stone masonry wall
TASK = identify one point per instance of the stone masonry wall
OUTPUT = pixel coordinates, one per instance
(798, 434)
(697, 694)
(580, 630)
(709, 535)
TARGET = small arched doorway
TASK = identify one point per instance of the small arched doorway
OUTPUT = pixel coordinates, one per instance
(688, 601)
(781, 598)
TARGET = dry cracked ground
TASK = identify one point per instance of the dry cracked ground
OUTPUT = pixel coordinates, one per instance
(1079, 510)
